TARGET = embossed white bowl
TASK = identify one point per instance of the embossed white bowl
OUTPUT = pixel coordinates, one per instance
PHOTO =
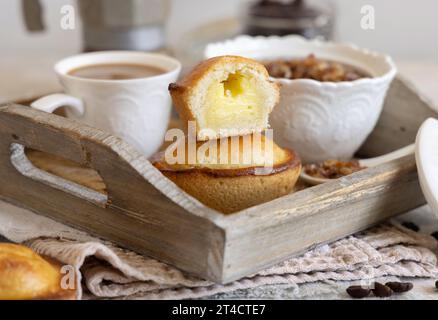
(320, 120)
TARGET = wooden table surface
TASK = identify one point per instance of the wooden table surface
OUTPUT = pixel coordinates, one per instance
(28, 76)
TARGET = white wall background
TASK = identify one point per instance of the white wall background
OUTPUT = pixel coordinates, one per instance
(405, 29)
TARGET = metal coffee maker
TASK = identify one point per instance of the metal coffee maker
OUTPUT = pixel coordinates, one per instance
(112, 24)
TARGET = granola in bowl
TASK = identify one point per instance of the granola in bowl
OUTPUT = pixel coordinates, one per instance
(332, 169)
(313, 68)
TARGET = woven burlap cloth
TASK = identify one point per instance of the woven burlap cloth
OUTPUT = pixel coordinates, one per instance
(106, 270)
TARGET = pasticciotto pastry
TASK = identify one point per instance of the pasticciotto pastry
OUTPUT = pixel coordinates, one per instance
(226, 96)
(234, 184)
(25, 275)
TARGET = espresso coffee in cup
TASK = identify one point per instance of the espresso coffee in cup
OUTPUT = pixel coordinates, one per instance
(116, 71)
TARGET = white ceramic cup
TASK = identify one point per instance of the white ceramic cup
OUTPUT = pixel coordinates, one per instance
(320, 120)
(136, 110)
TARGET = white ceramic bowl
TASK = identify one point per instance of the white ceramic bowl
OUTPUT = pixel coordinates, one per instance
(320, 120)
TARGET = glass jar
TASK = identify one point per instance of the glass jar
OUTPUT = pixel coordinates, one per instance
(309, 19)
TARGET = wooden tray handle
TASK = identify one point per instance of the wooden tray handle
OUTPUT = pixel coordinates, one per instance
(23, 165)
(128, 175)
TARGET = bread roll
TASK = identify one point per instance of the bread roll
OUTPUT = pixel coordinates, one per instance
(226, 96)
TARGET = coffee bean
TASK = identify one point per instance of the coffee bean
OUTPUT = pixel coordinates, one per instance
(358, 292)
(400, 287)
(381, 291)
(411, 225)
(435, 234)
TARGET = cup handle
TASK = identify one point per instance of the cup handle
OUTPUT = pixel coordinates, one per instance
(54, 101)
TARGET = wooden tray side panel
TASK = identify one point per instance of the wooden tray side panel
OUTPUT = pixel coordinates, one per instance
(137, 215)
(293, 224)
(403, 113)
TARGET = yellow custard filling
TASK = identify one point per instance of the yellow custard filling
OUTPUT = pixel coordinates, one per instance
(232, 102)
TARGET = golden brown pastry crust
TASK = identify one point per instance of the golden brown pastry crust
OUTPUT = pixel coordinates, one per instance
(282, 158)
(292, 160)
(232, 193)
(181, 90)
(26, 275)
(233, 189)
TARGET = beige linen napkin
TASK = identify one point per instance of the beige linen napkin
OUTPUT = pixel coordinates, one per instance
(106, 270)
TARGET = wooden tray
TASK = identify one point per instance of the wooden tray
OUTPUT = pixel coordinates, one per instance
(140, 209)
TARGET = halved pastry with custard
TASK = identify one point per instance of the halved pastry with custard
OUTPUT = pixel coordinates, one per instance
(231, 174)
(226, 96)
